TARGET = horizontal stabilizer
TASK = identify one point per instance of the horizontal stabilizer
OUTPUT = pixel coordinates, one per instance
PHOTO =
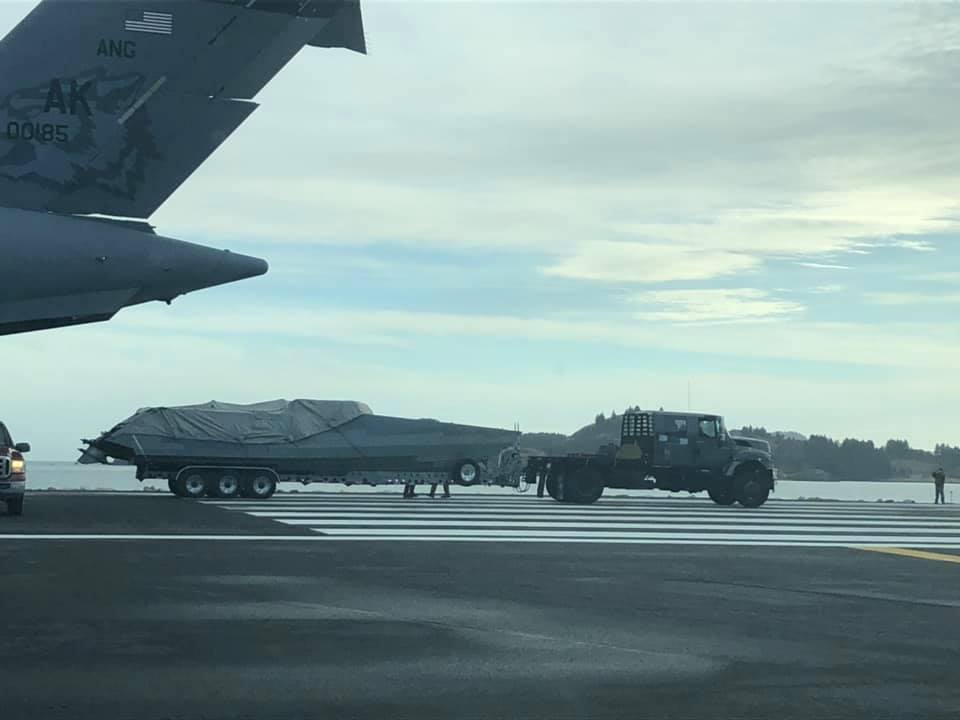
(345, 30)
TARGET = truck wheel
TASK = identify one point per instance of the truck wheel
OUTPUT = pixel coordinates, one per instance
(552, 485)
(585, 487)
(751, 488)
(172, 484)
(15, 506)
(259, 487)
(466, 472)
(722, 494)
(193, 486)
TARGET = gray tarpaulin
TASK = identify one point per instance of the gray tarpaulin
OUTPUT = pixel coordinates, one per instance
(276, 421)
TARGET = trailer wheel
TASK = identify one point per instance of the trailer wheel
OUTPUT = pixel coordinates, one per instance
(466, 472)
(225, 487)
(750, 487)
(585, 487)
(722, 493)
(193, 486)
(259, 487)
(172, 484)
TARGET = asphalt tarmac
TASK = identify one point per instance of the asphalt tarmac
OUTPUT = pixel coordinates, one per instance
(140, 606)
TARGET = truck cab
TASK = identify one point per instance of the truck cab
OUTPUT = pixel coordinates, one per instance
(673, 451)
(13, 471)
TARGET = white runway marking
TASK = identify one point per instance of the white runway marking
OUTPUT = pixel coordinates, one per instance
(621, 520)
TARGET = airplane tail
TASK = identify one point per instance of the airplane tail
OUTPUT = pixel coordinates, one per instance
(108, 106)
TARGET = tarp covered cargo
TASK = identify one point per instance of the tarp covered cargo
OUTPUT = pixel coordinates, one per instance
(293, 438)
(277, 421)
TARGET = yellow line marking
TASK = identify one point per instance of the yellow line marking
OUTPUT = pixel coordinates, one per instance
(906, 552)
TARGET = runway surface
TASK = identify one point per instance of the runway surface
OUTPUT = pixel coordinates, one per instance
(142, 606)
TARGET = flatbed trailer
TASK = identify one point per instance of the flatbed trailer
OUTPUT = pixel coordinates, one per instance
(225, 478)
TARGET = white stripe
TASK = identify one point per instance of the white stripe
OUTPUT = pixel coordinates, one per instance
(473, 519)
(768, 542)
(644, 516)
(692, 538)
(771, 541)
(476, 501)
(424, 502)
(518, 527)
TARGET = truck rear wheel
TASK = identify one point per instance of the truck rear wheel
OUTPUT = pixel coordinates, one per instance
(225, 487)
(191, 485)
(584, 487)
(751, 487)
(552, 485)
(15, 506)
(172, 484)
(259, 487)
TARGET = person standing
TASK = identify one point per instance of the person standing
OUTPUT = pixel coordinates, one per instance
(446, 489)
(939, 480)
(409, 491)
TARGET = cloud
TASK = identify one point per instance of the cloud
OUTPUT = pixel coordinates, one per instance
(824, 266)
(932, 346)
(642, 263)
(827, 289)
(911, 298)
(937, 277)
(714, 306)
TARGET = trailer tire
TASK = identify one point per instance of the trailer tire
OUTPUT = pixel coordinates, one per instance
(467, 472)
(722, 493)
(191, 485)
(15, 506)
(172, 484)
(224, 487)
(750, 487)
(259, 486)
(584, 487)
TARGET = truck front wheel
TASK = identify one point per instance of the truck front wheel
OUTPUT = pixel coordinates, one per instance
(15, 506)
(751, 487)
(722, 493)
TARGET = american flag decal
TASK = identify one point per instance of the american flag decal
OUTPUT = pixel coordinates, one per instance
(156, 23)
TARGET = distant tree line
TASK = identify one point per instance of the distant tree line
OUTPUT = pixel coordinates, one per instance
(852, 459)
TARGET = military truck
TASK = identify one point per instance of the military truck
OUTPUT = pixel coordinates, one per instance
(674, 451)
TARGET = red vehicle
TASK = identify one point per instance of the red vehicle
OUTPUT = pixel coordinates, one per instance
(13, 471)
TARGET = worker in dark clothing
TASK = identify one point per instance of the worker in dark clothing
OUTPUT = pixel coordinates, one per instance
(409, 491)
(939, 480)
(446, 489)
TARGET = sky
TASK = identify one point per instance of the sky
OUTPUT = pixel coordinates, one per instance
(531, 212)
